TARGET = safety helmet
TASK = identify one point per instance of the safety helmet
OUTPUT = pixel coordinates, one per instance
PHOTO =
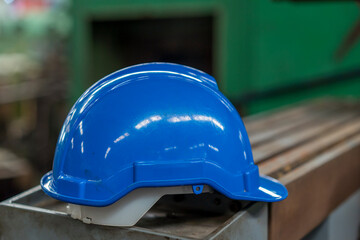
(153, 129)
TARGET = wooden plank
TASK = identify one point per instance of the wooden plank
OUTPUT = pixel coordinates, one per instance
(287, 142)
(302, 121)
(310, 149)
(315, 189)
(280, 165)
(280, 116)
(270, 114)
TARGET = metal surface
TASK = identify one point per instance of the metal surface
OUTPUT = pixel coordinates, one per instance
(41, 217)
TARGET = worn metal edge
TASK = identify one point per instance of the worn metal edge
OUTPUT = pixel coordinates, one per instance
(10, 203)
(222, 231)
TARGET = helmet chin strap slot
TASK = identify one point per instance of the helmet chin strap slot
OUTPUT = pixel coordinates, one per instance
(128, 210)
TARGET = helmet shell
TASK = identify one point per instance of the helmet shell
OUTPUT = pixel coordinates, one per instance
(154, 125)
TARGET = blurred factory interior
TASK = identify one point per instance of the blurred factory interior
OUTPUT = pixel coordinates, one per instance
(264, 55)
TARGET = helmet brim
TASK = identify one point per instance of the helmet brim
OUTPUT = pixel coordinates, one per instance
(270, 190)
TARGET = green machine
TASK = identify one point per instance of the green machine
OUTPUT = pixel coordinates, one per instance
(264, 53)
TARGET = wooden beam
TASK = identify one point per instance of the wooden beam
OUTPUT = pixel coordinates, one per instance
(282, 164)
(315, 190)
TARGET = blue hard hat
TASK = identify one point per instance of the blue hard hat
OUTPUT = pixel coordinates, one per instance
(154, 125)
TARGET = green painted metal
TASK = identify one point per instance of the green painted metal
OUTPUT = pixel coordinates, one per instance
(297, 41)
(349, 90)
(257, 44)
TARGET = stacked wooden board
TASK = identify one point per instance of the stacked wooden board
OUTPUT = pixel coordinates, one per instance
(314, 149)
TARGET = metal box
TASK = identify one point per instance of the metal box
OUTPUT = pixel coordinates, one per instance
(34, 215)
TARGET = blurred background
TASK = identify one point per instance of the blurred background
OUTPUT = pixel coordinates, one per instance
(264, 54)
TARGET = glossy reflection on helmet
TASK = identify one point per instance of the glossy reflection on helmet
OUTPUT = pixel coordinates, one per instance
(154, 125)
